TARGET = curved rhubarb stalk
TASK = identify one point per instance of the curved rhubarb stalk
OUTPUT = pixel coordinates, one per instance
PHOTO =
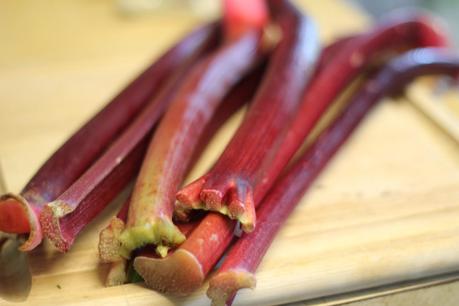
(252, 161)
(172, 146)
(20, 213)
(238, 269)
(109, 242)
(241, 167)
(66, 216)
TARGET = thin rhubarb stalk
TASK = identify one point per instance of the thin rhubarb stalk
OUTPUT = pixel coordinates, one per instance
(171, 148)
(20, 213)
(109, 243)
(199, 252)
(63, 218)
(241, 167)
(238, 269)
(252, 161)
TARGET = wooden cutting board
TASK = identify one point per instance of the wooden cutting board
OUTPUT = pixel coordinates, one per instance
(386, 209)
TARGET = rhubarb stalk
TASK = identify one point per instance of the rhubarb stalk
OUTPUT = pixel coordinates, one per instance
(109, 241)
(240, 168)
(63, 218)
(171, 148)
(20, 213)
(238, 269)
(251, 163)
(184, 270)
(199, 252)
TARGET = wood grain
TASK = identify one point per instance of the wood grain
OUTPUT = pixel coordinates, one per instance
(384, 211)
(436, 108)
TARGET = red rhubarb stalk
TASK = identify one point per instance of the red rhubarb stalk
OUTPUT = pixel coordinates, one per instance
(253, 160)
(199, 252)
(241, 167)
(238, 269)
(239, 15)
(63, 218)
(171, 148)
(20, 213)
(184, 270)
(109, 243)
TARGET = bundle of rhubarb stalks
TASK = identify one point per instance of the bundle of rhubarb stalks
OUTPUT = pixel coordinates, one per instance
(262, 55)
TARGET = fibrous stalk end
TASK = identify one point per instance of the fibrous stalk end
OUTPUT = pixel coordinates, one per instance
(178, 274)
(117, 274)
(109, 241)
(160, 232)
(50, 221)
(224, 285)
(227, 198)
(17, 216)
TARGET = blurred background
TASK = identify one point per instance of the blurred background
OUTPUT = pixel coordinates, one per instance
(447, 9)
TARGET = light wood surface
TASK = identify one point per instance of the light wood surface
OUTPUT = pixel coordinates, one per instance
(418, 292)
(437, 107)
(384, 211)
(445, 295)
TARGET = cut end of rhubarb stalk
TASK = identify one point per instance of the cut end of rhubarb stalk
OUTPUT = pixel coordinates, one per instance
(50, 221)
(232, 200)
(240, 15)
(117, 274)
(224, 285)
(178, 274)
(157, 233)
(109, 241)
(18, 217)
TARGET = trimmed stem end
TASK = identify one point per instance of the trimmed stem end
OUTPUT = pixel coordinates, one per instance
(178, 274)
(117, 274)
(238, 197)
(225, 284)
(18, 216)
(109, 241)
(160, 232)
(50, 221)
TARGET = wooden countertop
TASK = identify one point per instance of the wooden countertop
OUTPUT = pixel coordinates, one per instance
(385, 211)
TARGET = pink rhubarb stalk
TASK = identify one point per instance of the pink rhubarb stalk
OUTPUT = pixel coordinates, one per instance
(241, 166)
(63, 218)
(252, 161)
(20, 213)
(171, 148)
(238, 269)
